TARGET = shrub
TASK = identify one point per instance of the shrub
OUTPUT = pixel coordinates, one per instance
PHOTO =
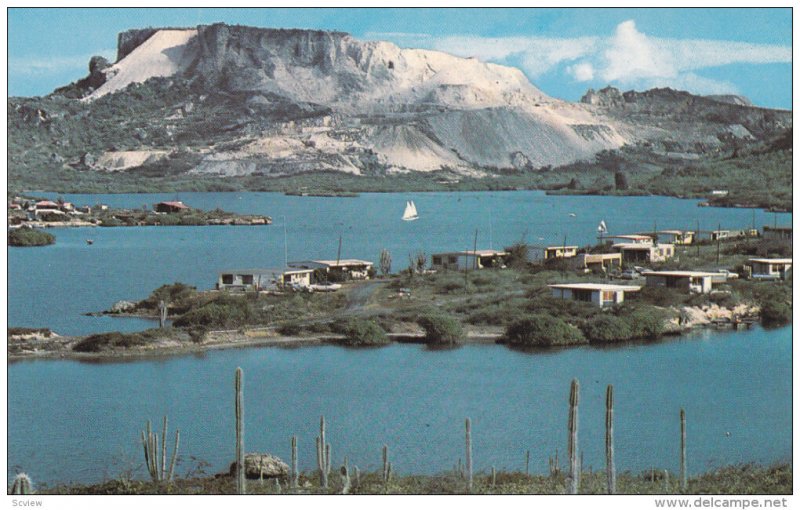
(541, 330)
(361, 332)
(227, 313)
(107, 341)
(30, 237)
(441, 329)
(775, 303)
(646, 322)
(607, 328)
(517, 255)
(290, 329)
(177, 295)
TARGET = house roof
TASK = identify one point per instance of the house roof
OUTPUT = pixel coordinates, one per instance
(554, 247)
(46, 203)
(772, 261)
(676, 232)
(641, 237)
(343, 262)
(595, 286)
(680, 274)
(479, 253)
(288, 270)
(640, 246)
(600, 256)
(784, 229)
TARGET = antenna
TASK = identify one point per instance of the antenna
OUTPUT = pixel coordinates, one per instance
(285, 247)
(490, 229)
(339, 253)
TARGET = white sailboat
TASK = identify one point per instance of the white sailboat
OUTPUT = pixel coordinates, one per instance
(410, 214)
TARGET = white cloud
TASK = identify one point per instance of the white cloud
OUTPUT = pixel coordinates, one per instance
(626, 58)
(36, 66)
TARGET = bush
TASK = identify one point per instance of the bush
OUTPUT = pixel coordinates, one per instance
(30, 237)
(290, 329)
(441, 329)
(541, 330)
(646, 322)
(607, 328)
(178, 297)
(107, 341)
(227, 313)
(776, 307)
(361, 332)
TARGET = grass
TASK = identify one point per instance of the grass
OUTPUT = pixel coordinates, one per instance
(739, 479)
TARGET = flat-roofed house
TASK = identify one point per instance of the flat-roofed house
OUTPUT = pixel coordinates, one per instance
(687, 281)
(599, 294)
(346, 269)
(779, 233)
(469, 259)
(770, 269)
(538, 253)
(263, 279)
(633, 238)
(641, 252)
(599, 262)
(676, 236)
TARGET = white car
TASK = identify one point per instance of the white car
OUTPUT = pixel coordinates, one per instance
(325, 287)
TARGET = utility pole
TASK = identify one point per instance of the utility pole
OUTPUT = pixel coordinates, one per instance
(719, 239)
(475, 250)
(697, 237)
(285, 248)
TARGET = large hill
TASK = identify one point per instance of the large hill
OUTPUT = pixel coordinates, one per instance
(221, 102)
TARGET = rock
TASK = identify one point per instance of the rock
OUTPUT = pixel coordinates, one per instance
(254, 463)
(122, 307)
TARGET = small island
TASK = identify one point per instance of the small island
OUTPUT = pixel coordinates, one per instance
(28, 236)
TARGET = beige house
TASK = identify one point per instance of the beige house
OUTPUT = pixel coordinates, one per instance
(643, 252)
(687, 281)
(681, 237)
(770, 269)
(599, 262)
(633, 238)
(599, 294)
(263, 279)
(348, 269)
(538, 254)
(460, 260)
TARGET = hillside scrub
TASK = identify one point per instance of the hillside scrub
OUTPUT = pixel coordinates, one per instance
(361, 333)
(607, 329)
(441, 329)
(30, 237)
(539, 330)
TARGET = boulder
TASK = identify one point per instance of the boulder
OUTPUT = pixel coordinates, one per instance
(256, 463)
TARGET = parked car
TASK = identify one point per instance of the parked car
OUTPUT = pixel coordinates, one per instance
(629, 274)
(325, 287)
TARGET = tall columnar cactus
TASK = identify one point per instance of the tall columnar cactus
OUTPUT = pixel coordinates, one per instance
(344, 473)
(156, 461)
(239, 407)
(574, 481)
(468, 434)
(323, 455)
(611, 471)
(162, 313)
(294, 477)
(683, 450)
(494, 477)
(528, 463)
(21, 485)
(387, 466)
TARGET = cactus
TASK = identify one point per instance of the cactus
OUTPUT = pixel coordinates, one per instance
(386, 465)
(494, 477)
(344, 473)
(323, 455)
(574, 481)
(358, 476)
(294, 476)
(468, 435)
(156, 461)
(666, 482)
(611, 472)
(683, 450)
(277, 486)
(21, 485)
(528, 463)
(239, 408)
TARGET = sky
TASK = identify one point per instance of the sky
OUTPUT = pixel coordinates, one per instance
(563, 51)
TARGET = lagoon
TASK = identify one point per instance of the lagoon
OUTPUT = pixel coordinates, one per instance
(72, 421)
(53, 286)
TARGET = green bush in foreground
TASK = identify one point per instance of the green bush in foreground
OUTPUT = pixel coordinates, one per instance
(540, 330)
(361, 332)
(30, 237)
(441, 329)
(108, 341)
(607, 329)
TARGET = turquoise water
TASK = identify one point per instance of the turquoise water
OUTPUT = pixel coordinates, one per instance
(53, 285)
(77, 421)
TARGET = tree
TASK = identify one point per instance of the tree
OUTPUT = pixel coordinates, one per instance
(420, 261)
(385, 262)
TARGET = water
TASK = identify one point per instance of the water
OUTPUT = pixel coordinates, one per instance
(53, 286)
(78, 421)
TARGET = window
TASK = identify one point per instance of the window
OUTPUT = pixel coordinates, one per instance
(608, 296)
(247, 279)
(452, 259)
(437, 260)
(227, 279)
(582, 295)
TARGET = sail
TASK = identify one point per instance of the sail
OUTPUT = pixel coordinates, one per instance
(602, 227)
(411, 212)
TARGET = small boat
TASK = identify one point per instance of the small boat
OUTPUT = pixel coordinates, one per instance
(90, 241)
(410, 214)
(572, 215)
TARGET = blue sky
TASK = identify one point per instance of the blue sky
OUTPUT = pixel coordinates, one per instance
(563, 51)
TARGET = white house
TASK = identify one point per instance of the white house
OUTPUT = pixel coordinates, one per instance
(676, 236)
(688, 281)
(460, 260)
(633, 238)
(643, 252)
(349, 269)
(538, 254)
(770, 269)
(263, 279)
(780, 233)
(599, 261)
(600, 294)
